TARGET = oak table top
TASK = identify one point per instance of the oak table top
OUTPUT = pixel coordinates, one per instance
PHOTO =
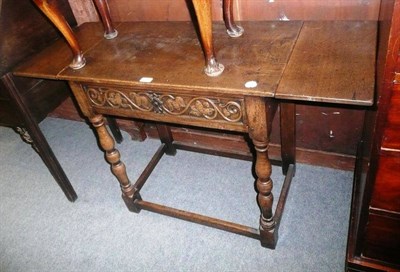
(170, 54)
(331, 61)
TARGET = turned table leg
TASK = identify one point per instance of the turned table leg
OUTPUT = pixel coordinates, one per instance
(203, 13)
(232, 28)
(55, 16)
(129, 193)
(109, 31)
(107, 143)
(165, 135)
(257, 118)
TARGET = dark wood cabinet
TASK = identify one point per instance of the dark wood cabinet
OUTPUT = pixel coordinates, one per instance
(374, 236)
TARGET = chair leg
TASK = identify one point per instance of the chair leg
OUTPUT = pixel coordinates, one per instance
(39, 140)
(36, 138)
(112, 124)
(232, 28)
(55, 16)
(104, 11)
(203, 14)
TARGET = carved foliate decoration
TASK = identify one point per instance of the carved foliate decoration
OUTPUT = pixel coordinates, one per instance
(169, 104)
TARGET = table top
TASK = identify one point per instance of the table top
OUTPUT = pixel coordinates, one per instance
(332, 61)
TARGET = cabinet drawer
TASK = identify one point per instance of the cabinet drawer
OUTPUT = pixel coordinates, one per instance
(382, 239)
(387, 185)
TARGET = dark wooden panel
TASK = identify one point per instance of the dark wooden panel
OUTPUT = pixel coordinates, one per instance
(328, 129)
(387, 185)
(391, 136)
(8, 115)
(172, 10)
(308, 9)
(383, 239)
(45, 97)
(4, 95)
(374, 240)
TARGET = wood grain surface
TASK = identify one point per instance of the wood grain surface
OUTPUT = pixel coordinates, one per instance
(332, 62)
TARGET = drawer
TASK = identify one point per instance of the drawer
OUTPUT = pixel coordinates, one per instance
(382, 238)
(186, 108)
(386, 194)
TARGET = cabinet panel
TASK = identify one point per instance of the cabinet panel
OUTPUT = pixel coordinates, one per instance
(391, 136)
(172, 10)
(387, 185)
(340, 132)
(382, 238)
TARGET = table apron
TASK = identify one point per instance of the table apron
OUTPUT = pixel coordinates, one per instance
(211, 111)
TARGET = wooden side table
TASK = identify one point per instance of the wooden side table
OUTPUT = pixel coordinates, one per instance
(152, 71)
(131, 76)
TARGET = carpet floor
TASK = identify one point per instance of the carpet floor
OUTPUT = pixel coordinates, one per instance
(40, 230)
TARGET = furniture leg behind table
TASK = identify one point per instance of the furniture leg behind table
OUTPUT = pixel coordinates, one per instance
(34, 136)
(288, 135)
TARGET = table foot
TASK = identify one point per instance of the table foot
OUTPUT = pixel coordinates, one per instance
(268, 237)
(131, 203)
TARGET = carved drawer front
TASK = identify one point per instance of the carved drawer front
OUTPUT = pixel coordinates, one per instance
(191, 109)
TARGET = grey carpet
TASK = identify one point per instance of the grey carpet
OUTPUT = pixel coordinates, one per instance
(41, 231)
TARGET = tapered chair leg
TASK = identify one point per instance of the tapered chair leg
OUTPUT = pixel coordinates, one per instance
(104, 11)
(232, 28)
(41, 146)
(203, 13)
(39, 141)
(55, 16)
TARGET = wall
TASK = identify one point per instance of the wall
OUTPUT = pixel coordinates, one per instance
(177, 10)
